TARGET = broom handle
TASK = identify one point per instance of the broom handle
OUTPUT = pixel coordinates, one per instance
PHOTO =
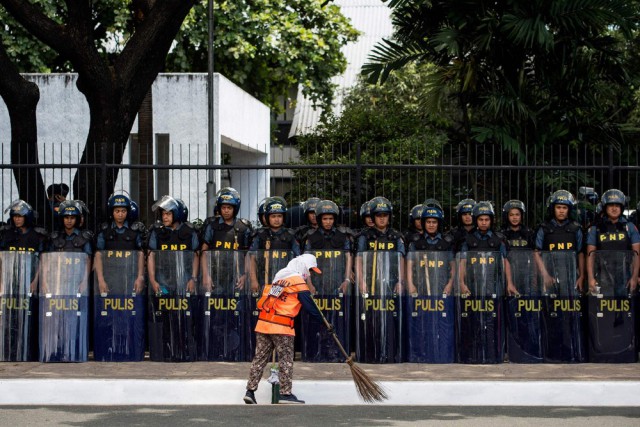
(333, 333)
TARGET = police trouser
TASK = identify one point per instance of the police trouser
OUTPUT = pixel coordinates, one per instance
(481, 331)
(524, 337)
(431, 333)
(563, 330)
(171, 329)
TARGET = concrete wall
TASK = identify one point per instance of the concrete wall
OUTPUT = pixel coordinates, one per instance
(242, 130)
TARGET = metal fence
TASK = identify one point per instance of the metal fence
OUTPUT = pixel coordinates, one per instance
(349, 175)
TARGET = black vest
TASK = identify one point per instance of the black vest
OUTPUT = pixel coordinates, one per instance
(30, 241)
(490, 244)
(334, 239)
(121, 241)
(612, 237)
(169, 239)
(519, 239)
(560, 238)
(375, 240)
(60, 242)
(283, 240)
(227, 237)
(444, 244)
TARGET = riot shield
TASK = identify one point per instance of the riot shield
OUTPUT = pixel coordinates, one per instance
(119, 306)
(18, 306)
(479, 300)
(378, 307)
(334, 300)
(524, 310)
(171, 307)
(429, 307)
(563, 331)
(224, 327)
(264, 264)
(64, 306)
(611, 309)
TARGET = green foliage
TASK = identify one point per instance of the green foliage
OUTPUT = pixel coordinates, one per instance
(268, 46)
(522, 72)
(390, 126)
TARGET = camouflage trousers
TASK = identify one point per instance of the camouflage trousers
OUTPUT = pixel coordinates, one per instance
(265, 343)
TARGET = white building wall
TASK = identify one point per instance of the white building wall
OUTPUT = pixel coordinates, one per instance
(242, 126)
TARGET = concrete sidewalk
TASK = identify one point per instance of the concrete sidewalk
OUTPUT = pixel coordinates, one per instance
(206, 383)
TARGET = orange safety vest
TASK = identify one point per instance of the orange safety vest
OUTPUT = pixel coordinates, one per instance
(278, 306)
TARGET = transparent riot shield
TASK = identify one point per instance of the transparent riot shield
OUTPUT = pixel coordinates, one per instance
(64, 306)
(611, 309)
(18, 306)
(379, 307)
(263, 266)
(224, 305)
(119, 306)
(171, 306)
(429, 307)
(333, 296)
(524, 310)
(479, 299)
(563, 332)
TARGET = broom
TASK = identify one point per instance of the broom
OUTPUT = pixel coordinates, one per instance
(369, 390)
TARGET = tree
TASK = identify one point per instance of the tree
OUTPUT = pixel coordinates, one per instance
(522, 72)
(114, 85)
(389, 126)
(268, 46)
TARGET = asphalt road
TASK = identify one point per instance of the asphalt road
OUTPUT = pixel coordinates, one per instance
(284, 416)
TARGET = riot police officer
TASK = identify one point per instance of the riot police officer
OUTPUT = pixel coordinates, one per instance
(429, 313)
(379, 276)
(365, 216)
(22, 243)
(331, 245)
(310, 218)
(415, 223)
(612, 272)
(464, 215)
(560, 261)
(273, 237)
(173, 264)
(70, 238)
(20, 233)
(482, 271)
(224, 331)
(517, 234)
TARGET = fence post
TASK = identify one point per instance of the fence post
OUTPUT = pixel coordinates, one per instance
(358, 180)
(103, 169)
(611, 180)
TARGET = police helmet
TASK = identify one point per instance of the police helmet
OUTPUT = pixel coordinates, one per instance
(69, 208)
(365, 210)
(416, 213)
(118, 201)
(22, 208)
(228, 196)
(432, 212)
(562, 197)
(432, 203)
(168, 204)
(613, 196)
(275, 205)
(483, 208)
(599, 208)
(512, 204)
(465, 206)
(380, 205)
(311, 205)
(134, 212)
(327, 207)
(183, 210)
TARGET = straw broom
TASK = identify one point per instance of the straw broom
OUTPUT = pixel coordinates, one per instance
(369, 390)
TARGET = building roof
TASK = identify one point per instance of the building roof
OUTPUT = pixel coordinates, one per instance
(373, 19)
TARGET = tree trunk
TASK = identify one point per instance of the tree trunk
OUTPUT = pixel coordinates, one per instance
(21, 98)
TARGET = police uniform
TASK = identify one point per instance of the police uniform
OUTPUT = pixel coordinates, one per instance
(429, 313)
(379, 322)
(563, 326)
